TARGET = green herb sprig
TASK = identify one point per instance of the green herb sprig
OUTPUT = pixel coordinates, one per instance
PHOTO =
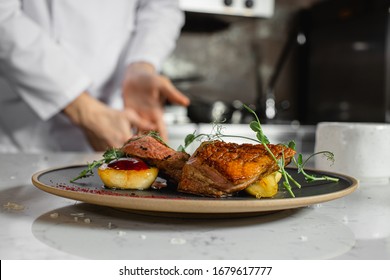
(190, 138)
(262, 139)
(309, 177)
(108, 156)
(216, 134)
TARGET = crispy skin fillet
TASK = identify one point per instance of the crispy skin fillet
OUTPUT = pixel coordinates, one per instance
(220, 169)
(155, 153)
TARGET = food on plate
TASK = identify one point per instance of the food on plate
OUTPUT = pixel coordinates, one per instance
(216, 168)
(266, 187)
(220, 169)
(156, 153)
(147, 148)
(127, 173)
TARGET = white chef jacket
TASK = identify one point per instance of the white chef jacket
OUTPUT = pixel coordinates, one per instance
(53, 50)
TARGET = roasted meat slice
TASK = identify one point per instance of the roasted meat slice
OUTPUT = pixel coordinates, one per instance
(156, 153)
(220, 169)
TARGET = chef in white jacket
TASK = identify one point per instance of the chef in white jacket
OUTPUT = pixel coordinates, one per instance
(77, 75)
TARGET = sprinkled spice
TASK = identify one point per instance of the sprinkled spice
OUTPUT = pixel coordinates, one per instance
(103, 191)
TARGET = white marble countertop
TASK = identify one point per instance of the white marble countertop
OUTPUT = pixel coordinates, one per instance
(38, 225)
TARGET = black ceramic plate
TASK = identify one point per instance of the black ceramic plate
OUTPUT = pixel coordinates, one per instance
(167, 200)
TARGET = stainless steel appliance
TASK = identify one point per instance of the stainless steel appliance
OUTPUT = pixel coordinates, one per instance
(214, 62)
(345, 74)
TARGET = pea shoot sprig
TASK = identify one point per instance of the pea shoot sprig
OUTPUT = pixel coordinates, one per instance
(261, 138)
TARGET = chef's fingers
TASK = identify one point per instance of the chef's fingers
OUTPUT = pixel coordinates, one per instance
(171, 93)
(139, 122)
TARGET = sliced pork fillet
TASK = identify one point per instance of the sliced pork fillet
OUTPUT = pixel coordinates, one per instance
(158, 154)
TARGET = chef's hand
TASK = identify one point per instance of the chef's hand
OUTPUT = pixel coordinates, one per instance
(145, 92)
(103, 126)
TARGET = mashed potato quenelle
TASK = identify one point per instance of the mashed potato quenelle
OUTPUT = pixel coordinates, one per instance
(127, 173)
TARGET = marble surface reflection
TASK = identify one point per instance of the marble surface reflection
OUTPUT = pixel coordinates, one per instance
(95, 232)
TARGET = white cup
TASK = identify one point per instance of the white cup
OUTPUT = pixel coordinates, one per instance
(361, 150)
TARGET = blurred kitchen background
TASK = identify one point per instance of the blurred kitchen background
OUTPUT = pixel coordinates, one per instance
(296, 62)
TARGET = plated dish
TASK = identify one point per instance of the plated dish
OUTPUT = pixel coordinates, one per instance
(56, 181)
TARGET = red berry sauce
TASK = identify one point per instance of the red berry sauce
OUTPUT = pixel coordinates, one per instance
(128, 164)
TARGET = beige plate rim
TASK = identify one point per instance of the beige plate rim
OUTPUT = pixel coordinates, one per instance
(173, 205)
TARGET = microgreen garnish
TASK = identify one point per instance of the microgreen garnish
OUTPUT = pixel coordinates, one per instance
(311, 178)
(216, 134)
(108, 156)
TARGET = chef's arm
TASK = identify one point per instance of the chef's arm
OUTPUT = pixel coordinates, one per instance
(35, 66)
